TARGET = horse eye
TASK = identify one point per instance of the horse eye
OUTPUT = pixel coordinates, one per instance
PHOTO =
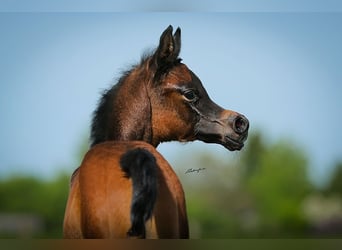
(190, 95)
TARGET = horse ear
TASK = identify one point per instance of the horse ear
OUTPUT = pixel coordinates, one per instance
(177, 39)
(169, 47)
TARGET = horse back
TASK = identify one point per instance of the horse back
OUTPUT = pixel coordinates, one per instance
(101, 193)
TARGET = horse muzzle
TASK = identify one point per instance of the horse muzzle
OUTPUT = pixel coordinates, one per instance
(230, 129)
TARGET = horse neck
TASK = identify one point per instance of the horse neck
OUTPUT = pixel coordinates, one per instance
(124, 114)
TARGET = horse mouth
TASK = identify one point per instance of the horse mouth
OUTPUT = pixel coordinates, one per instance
(231, 144)
(226, 141)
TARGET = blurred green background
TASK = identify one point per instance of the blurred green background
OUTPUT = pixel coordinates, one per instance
(263, 192)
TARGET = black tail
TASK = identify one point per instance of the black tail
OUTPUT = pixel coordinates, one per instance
(140, 165)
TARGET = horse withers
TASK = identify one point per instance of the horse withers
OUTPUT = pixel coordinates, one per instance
(124, 187)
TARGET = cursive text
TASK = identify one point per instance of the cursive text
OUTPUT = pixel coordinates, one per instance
(192, 170)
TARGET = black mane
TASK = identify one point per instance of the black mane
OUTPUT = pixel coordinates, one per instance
(103, 113)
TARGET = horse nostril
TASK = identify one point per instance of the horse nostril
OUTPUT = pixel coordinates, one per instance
(240, 124)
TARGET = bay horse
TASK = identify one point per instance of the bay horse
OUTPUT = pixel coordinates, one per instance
(124, 188)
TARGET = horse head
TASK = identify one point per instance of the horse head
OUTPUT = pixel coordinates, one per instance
(181, 107)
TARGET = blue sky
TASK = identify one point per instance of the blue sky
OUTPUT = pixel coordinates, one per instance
(175, 5)
(282, 70)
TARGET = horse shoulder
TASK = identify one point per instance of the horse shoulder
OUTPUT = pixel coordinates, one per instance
(72, 218)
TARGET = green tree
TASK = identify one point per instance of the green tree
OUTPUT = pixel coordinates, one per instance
(278, 188)
(252, 155)
(335, 183)
(257, 194)
(44, 199)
